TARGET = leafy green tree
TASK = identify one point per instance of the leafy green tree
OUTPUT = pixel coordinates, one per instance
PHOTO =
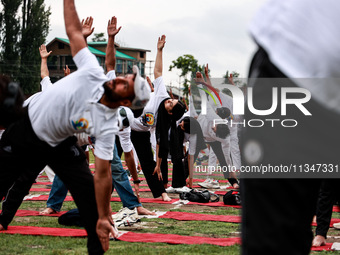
(10, 28)
(34, 32)
(20, 42)
(189, 66)
(98, 37)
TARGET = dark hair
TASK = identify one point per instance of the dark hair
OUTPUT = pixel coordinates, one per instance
(186, 125)
(223, 112)
(11, 100)
(222, 131)
(178, 110)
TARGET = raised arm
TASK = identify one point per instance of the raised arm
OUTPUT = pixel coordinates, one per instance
(87, 28)
(67, 70)
(159, 57)
(44, 55)
(112, 30)
(150, 83)
(73, 27)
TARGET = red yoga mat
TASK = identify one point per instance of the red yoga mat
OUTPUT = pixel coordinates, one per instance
(39, 190)
(135, 237)
(326, 247)
(39, 231)
(184, 216)
(42, 183)
(177, 239)
(331, 223)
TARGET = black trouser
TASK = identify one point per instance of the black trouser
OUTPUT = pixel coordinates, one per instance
(165, 170)
(277, 213)
(217, 148)
(15, 196)
(22, 152)
(178, 176)
(141, 142)
(329, 194)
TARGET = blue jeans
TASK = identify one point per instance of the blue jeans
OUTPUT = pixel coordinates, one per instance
(57, 194)
(120, 181)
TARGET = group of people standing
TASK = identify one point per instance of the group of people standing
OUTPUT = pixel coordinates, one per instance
(90, 104)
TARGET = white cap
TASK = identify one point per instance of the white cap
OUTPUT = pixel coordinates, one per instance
(142, 91)
(125, 117)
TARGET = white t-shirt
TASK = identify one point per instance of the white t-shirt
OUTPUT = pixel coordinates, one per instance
(125, 139)
(71, 106)
(149, 117)
(302, 40)
(45, 83)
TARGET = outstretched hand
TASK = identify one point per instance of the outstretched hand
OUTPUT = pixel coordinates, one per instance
(87, 28)
(231, 79)
(161, 42)
(112, 29)
(206, 71)
(158, 172)
(104, 229)
(43, 52)
(67, 71)
(150, 83)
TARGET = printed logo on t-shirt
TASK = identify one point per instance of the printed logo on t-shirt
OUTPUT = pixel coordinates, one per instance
(80, 124)
(149, 119)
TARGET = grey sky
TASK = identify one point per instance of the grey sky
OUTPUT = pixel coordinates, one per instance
(214, 32)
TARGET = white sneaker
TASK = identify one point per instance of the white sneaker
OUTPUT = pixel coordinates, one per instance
(124, 212)
(126, 222)
(170, 190)
(336, 225)
(183, 189)
(209, 184)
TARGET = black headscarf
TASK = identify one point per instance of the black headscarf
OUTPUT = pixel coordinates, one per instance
(165, 121)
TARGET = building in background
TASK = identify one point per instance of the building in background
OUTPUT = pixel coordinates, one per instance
(125, 57)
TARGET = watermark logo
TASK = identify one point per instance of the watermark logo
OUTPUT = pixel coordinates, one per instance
(279, 98)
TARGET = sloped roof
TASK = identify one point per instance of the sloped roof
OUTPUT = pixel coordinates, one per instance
(95, 51)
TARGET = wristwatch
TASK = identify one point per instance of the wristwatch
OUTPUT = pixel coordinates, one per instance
(137, 181)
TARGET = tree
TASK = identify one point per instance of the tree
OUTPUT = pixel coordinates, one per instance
(189, 66)
(20, 41)
(98, 37)
(34, 32)
(9, 35)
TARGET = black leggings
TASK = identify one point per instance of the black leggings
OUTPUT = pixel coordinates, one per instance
(217, 148)
(141, 142)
